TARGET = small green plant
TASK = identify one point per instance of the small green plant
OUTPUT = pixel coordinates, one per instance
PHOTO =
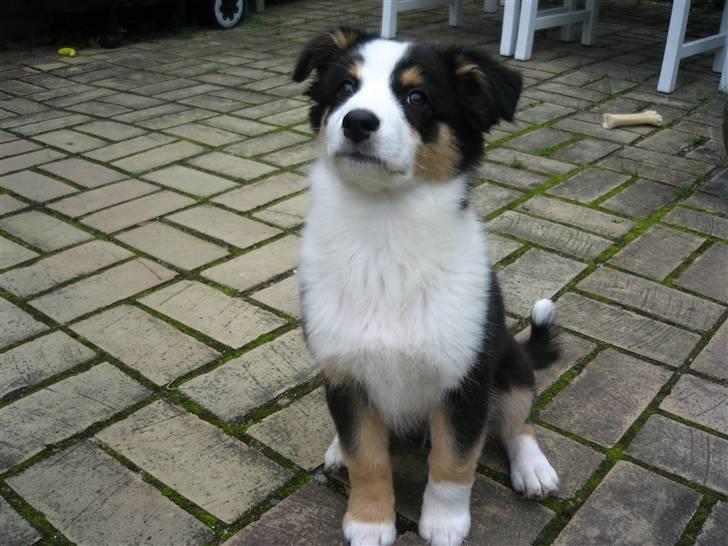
(705, 99)
(517, 164)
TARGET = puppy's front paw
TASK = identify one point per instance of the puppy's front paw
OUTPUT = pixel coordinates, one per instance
(334, 458)
(369, 534)
(533, 476)
(445, 518)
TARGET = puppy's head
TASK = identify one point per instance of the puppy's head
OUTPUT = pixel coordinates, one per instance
(392, 114)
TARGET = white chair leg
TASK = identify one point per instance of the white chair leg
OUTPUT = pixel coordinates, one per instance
(723, 86)
(675, 39)
(259, 6)
(720, 54)
(568, 32)
(456, 12)
(509, 34)
(389, 18)
(589, 27)
(490, 6)
(526, 29)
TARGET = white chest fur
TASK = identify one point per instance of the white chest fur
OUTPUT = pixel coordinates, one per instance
(394, 290)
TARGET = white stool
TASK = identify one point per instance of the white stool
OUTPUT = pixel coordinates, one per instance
(677, 49)
(531, 20)
(390, 9)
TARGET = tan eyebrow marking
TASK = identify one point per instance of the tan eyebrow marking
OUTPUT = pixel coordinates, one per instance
(412, 77)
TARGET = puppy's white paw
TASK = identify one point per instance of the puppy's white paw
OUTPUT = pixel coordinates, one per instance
(445, 518)
(533, 476)
(369, 534)
(334, 458)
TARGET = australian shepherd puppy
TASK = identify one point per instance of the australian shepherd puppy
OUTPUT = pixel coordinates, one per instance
(402, 311)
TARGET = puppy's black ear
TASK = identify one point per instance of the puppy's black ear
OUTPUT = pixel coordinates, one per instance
(324, 49)
(486, 89)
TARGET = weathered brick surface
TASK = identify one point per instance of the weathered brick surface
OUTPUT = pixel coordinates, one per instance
(196, 458)
(191, 151)
(92, 499)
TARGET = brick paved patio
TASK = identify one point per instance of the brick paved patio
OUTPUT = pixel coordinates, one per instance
(155, 387)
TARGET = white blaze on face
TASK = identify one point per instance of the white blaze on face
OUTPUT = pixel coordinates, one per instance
(395, 142)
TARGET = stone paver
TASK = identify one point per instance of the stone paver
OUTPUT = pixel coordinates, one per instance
(16, 324)
(33, 362)
(102, 289)
(64, 266)
(632, 506)
(535, 275)
(231, 321)
(254, 195)
(641, 335)
(224, 225)
(312, 515)
(716, 528)
(701, 275)
(9, 204)
(301, 431)
(100, 198)
(589, 185)
(232, 166)
(195, 458)
(95, 500)
(14, 529)
(189, 180)
(160, 352)
(557, 236)
(590, 407)
(256, 266)
(601, 223)
(64, 409)
(43, 230)
(653, 298)
(35, 186)
(641, 198)
(172, 245)
(191, 150)
(11, 253)
(691, 453)
(282, 296)
(136, 211)
(711, 359)
(657, 252)
(83, 172)
(244, 383)
(700, 401)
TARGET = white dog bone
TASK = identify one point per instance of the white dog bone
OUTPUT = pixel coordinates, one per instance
(649, 117)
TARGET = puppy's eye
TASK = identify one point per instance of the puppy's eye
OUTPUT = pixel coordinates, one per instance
(416, 98)
(347, 89)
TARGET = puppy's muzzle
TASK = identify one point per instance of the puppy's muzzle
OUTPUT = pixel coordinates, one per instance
(359, 124)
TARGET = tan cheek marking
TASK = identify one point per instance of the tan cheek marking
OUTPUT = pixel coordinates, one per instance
(514, 412)
(436, 161)
(355, 70)
(412, 77)
(445, 463)
(370, 471)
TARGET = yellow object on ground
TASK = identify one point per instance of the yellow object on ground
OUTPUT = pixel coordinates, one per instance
(67, 52)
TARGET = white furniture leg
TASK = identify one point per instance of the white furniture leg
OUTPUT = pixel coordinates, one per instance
(723, 85)
(490, 6)
(673, 47)
(456, 13)
(259, 6)
(389, 18)
(589, 27)
(720, 55)
(526, 29)
(509, 34)
(568, 32)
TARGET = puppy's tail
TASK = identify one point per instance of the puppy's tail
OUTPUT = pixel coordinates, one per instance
(541, 346)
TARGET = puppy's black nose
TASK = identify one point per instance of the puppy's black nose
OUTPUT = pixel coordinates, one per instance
(359, 124)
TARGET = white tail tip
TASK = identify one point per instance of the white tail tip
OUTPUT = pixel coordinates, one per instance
(543, 313)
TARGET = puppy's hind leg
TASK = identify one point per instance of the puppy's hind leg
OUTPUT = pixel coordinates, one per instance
(531, 473)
